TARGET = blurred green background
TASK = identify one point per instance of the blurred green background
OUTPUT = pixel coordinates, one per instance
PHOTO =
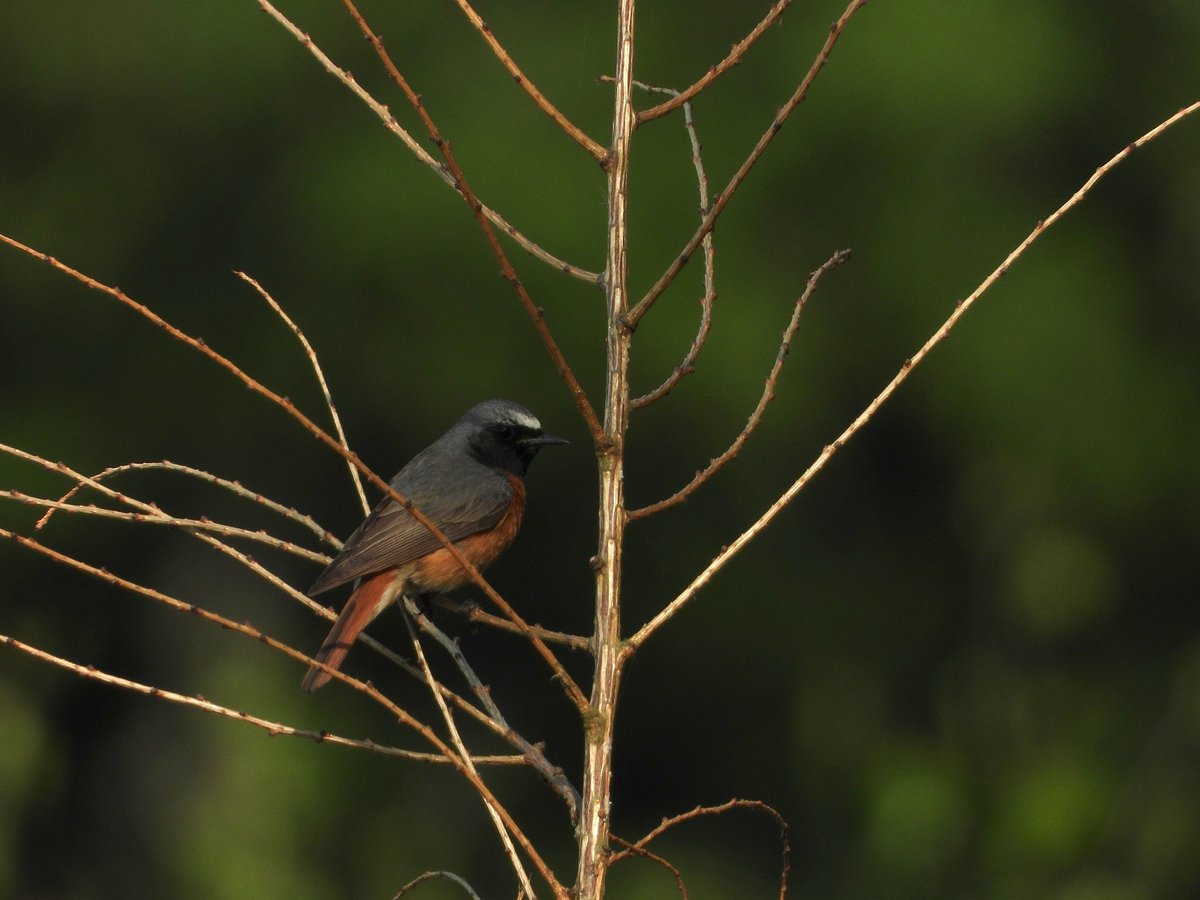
(965, 663)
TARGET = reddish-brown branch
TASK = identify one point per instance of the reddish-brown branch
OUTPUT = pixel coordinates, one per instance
(635, 314)
(735, 56)
(569, 686)
(573, 131)
(720, 809)
(535, 312)
(768, 394)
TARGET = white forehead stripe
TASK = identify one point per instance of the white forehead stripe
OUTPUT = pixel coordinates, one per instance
(524, 420)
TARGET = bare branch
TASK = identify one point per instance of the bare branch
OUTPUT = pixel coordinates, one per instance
(960, 309)
(426, 876)
(272, 728)
(768, 394)
(573, 131)
(235, 487)
(535, 312)
(735, 56)
(422, 155)
(401, 715)
(568, 684)
(494, 810)
(90, 509)
(634, 850)
(312, 358)
(688, 365)
(720, 809)
(634, 315)
(553, 775)
(473, 614)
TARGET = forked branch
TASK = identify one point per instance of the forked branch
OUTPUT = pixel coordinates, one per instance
(768, 394)
(635, 314)
(722, 559)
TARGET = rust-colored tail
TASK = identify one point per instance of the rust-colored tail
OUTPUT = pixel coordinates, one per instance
(368, 600)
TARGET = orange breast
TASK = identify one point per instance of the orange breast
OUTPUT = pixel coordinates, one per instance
(439, 571)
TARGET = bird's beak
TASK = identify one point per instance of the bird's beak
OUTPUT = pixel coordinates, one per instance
(543, 440)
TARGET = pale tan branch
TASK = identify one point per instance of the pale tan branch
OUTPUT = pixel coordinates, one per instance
(635, 314)
(535, 313)
(708, 298)
(439, 169)
(316, 365)
(553, 775)
(735, 56)
(572, 130)
(235, 487)
(768, 394)
(471, 611)
(565, 680)
(401, 715)
(90, 509)
(494, 810)
(272, 728)
(722, 559)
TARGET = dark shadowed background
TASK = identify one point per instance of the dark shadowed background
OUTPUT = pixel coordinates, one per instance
(965, 663)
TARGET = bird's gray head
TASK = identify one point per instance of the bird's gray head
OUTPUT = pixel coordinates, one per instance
(504, 435)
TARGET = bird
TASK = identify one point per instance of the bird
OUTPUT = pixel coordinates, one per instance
(470, 482)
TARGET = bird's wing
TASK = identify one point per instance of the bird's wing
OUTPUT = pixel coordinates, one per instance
(391, 536)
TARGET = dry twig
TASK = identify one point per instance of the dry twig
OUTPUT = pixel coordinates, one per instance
(536, 315)
(635, 314)
(422, 155)
(735, 56)
(729, 552)
(572, 130)
(768, 394)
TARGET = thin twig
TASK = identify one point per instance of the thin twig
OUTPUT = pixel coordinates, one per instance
(634, 850)
(235, 487)
(426, 876)
(768, 394)
(568, 684)
(735, 56)
(493, 809)
(536, 315)
(402, 715)
(553, 775)
(264, 573)
(422, 155)
(312, 358)
(635, 314)
(90, 509)
(722, 559)
(573, 131)
(472, 612)
(717, 810)
(688, 364)
(272, 728)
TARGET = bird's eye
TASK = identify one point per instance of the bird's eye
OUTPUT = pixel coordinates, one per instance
(504, 432)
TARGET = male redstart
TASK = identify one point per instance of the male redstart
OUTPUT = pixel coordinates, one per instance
(470, 483)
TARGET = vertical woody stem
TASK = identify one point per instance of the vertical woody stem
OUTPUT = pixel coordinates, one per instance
(597, 778)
